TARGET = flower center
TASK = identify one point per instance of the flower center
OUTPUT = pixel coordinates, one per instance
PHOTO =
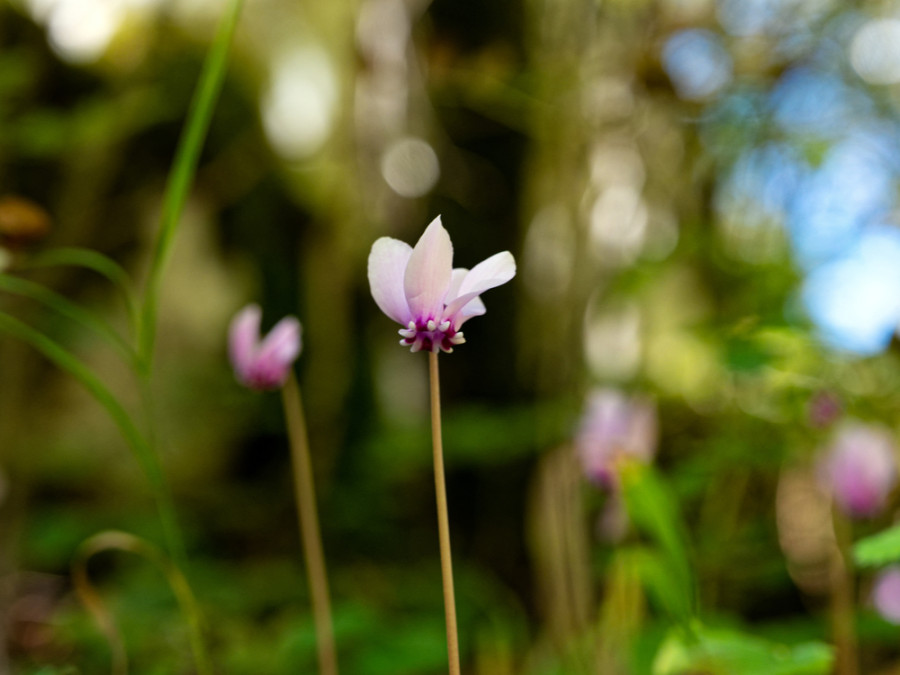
(430, 336)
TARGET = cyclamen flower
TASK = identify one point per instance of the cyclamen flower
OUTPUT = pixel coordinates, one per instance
(860, 469)
(262, 364)
(419, 289)
(886, 594)
(614, 427)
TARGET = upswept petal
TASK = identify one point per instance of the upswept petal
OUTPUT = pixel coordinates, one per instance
(490, 273)
(282, 345)
(456, 279)
(429, 272)
(387, 265)
(475, 307)
(243, 334)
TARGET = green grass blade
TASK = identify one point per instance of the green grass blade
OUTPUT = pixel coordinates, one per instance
(96, 262)
(145, 456)
(70, 310)
(183, 169)
(88, 379)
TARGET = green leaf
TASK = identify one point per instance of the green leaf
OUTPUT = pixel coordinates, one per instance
(729, 652)
(879, 549)
(663, 587)
(654, 512)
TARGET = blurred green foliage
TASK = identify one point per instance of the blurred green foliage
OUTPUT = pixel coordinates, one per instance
(559, 135)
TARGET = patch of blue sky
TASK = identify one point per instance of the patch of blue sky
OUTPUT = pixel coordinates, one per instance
(854, 300)
(853, 187)
(811, 102)
(697, 63)
(743, 18)
(762, 182)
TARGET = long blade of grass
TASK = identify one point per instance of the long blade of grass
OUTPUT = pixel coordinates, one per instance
(96, 262)
(146, 458)
(65, 307)
(184, 167)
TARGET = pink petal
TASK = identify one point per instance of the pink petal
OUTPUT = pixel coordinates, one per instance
(387, 265)
(429, 272)
(243, 335)
(282, 345)
(886, 593)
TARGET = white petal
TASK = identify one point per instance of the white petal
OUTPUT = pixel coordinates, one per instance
(490, 273)
(428, 272)
(496, 270)
(456, 280)
(475, 307)
(387, 265)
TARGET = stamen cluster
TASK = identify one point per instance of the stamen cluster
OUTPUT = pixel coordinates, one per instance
(431, 336)
(419, 288)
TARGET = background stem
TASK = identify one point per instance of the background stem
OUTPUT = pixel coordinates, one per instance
(305, 495)
(443, 518)
(842, 599)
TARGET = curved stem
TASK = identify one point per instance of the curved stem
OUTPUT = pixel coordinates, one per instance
(443, 518)
(140, 446)
(115, 540)
(307, 514)
(97, 262)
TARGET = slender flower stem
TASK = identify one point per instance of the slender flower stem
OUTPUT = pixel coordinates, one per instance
(443, 519)
(842, 598)
(305, 495)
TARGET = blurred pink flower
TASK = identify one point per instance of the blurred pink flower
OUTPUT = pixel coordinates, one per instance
(823, 409)
(614, 427)
(860, 469)
(419, 289)
(262, 364)
(886, 593)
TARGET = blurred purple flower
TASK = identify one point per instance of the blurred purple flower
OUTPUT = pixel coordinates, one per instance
(419, 289)
(860, 469)
(614, 427)
(823, 409)
(262, 364)
(886, 593)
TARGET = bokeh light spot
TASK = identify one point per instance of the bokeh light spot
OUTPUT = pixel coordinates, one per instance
(855, 300)
(410, 166)
(697, 63)
(875, 51)
(298, 108)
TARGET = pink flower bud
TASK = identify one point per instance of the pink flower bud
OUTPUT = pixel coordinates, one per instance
(614, 427)
(886, 594)
(823, 409)
(262, 364)
(860, 469)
